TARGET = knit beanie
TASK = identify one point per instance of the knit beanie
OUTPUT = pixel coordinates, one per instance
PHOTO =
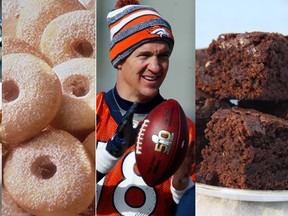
(132, 25)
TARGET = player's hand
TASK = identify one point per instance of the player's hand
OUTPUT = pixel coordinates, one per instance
(125, 135)
(182, 176)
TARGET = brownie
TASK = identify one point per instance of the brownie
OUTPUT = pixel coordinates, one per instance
(204, 110)
(251, 66)
(279, 109)
(201, 57)
(247, 149)
(201, 142)
(205, 107)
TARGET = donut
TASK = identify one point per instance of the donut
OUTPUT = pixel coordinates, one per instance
(77, 111)
(71, 35)
(90, 144)
(5, 152)
(1, 113)
(36, 15)
(31, 96)
(88, 4)
(9, 207)
(17, 45)
(51, 174)
(10, 14)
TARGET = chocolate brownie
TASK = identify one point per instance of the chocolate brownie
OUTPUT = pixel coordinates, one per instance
(204, 110)
(201, 142)
(205, 107)
(247, 149)
(201, 57)
(251, 66)
(279, 109)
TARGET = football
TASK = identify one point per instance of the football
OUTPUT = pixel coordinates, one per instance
(162, 142)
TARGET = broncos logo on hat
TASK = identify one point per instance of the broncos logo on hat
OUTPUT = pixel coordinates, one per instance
(161, 32)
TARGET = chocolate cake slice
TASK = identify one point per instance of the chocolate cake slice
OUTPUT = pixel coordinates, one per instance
(247, 149)
(251, 66)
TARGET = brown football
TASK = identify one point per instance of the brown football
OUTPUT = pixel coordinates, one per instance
(162, 142)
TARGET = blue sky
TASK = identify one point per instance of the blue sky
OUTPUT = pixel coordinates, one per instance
(214, 17)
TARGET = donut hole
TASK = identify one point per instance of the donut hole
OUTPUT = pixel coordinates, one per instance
(10, 91)
(43, 168)
(82, 48)
(76, 85)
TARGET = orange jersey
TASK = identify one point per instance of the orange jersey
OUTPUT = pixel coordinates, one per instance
(123, 191)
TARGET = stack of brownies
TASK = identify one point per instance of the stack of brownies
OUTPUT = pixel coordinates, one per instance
(242, 111)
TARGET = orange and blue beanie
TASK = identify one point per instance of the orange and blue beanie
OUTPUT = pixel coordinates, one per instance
(133, 25)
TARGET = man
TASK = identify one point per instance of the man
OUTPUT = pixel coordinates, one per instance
(141, 44)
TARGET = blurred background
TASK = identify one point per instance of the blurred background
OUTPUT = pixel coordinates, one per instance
(179, 83)
(225, 16)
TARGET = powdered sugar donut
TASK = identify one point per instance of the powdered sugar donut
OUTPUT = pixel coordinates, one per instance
(77, 111)
(31, 94)
(17, 45)
(90, 144)
(1, 122)
(89, 4)
(10, 14)
(36, 15)
(71, 35)
(9, 207)
(51, 174)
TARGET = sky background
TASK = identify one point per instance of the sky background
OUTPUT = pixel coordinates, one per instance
(225, 16)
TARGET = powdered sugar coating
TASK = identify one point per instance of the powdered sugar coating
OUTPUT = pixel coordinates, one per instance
(36, 15)
(77, 111)
(9, 207)
(71, 35)
(10, 14)
(37, 101)
(90, 145)
(89, 4)
(67, 192)
(17, 45)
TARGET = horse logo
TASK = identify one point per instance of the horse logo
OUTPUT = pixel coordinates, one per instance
(162, 32)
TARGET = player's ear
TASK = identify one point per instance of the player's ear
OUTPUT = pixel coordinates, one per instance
(119, 65)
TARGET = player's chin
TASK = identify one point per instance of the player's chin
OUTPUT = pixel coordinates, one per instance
(149, 92)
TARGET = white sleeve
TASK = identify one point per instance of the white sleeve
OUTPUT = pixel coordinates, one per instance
(105, 162)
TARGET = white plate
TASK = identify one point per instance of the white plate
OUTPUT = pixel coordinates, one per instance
(242, 194)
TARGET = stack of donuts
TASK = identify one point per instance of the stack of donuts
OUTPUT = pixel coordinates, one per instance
(48, 107)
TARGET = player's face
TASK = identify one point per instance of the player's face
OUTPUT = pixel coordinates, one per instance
(141, 74)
